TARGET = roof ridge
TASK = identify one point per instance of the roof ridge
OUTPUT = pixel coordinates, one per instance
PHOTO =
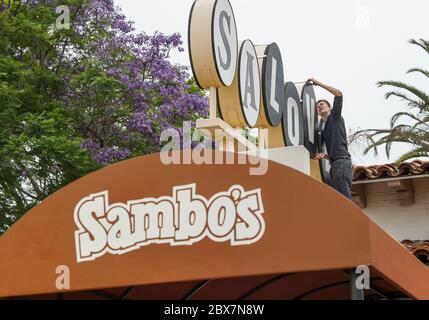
(390, 170)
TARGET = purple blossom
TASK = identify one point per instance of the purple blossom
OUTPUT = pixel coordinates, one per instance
(140, 122)
(105, 155)
(110, 155)
(25, 173)
(147, 93)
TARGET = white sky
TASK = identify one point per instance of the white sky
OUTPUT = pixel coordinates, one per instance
(348, 44)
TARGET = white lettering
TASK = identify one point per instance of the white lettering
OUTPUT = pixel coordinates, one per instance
(310, 117)
(182, 219)
(273, 102)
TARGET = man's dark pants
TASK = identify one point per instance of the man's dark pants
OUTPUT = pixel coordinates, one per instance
(342, 176)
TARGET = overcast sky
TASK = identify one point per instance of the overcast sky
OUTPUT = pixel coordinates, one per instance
(348, 44)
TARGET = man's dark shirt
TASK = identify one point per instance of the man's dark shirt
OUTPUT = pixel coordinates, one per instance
(334, 134)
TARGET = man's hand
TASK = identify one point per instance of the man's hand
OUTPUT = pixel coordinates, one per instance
(314, 81)
(320, 156)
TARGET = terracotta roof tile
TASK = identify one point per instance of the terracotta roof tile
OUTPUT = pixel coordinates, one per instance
(419, 248)
(414, 168)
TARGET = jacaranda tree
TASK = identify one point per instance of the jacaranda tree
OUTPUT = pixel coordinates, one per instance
(75, 97)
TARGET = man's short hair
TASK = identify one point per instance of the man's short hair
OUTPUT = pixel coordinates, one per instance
(326, 101)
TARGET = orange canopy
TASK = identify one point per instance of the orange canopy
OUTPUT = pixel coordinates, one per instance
(312, 237)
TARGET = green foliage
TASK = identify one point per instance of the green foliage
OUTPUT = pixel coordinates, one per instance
(38, 151)
(56, 94)
(416, 130)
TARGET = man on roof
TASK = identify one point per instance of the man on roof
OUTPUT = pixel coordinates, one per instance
(335, 137)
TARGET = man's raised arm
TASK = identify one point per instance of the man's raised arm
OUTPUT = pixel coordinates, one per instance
(332, 90)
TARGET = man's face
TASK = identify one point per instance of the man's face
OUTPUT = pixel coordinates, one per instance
(323, 108)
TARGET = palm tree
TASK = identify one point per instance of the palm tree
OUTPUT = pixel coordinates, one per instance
(415, 132)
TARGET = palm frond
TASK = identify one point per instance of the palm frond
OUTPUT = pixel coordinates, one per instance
(400, 133)
(415, 153)
(419, 70)
(362, 139)
(421, 43)
(411, 102)
(415, 131)
(383, 141)
(399, 115)
(398, 84)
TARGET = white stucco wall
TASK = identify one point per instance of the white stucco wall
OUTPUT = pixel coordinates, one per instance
(402, 222)
(294, 157)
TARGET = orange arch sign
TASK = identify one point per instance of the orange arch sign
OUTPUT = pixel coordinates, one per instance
(141, 223)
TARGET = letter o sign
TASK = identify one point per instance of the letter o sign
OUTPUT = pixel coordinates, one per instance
(213, 47)
(310, 118)
(293, 127)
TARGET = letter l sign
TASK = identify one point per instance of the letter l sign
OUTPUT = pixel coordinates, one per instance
(273, 102)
